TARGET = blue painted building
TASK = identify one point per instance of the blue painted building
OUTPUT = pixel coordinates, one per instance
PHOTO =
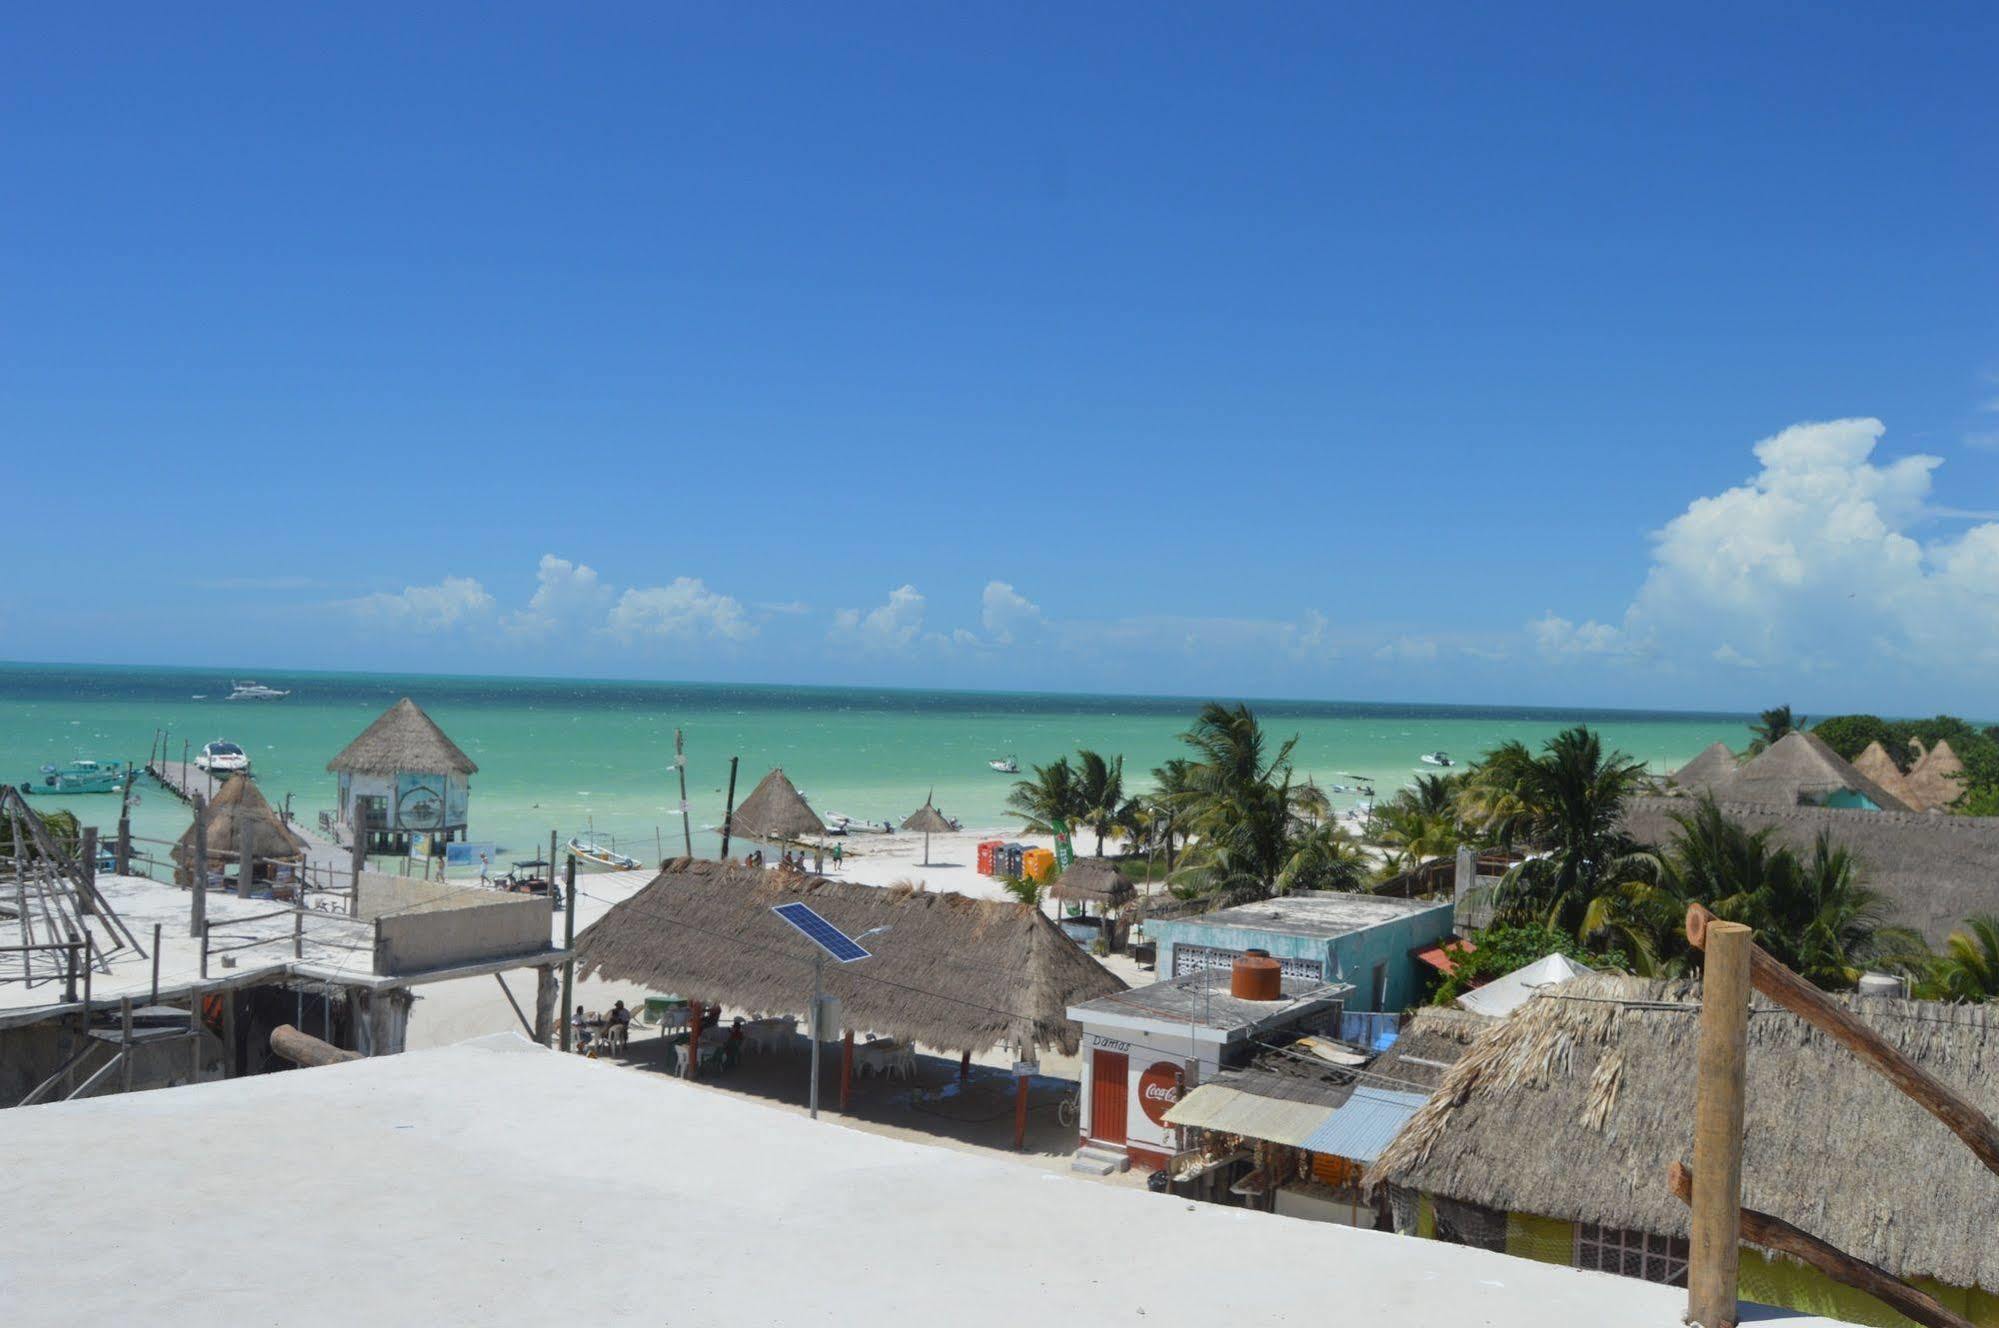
(1365, 940)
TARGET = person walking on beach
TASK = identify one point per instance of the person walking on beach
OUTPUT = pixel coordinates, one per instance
(837, 855)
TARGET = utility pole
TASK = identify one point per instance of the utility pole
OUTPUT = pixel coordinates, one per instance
(729, 812)
(680, 760)
(197, 917)
(569, 944)
(1715, 1250)
(818, 997)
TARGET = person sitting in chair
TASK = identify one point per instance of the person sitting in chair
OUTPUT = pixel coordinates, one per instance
(618, 1026)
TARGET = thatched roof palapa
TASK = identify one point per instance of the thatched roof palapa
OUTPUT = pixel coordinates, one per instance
(953, 973)
(775, 811)
(928, 820)
(1801, 767)
(1715, 765)
(1573, 1108)
(1093, 881)
(1934, 871)
(1877, 765)
(237, 802)
(1934, 779)
(402, 738)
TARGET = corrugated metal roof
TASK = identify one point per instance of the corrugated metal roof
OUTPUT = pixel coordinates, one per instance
(1213, 1107)
(1362, 1127)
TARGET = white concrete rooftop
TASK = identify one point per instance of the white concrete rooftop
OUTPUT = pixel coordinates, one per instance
(1321, 913)
(494, 1182)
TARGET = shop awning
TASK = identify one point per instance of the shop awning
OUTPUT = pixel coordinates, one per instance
(1214, 1107)
(1361, 1127)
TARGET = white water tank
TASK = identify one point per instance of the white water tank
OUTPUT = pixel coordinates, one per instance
(1880, 984)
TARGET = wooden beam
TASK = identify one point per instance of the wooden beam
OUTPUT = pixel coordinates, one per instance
(1715, 1252)
(1840, 1024)
(526, 1027)
(305, 1049)
(1774, 1233)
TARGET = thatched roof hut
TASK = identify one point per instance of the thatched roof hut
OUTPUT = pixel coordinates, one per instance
(775, 811)
(1934, 779)
(236, 804)
(1935, 871)
(1093, 881)
(928, 820)
(1801, 768)
(1715, 765)
(955, 973)
(1433, 1040)
(402, 739)
(1877, 765)
(1573, 1108)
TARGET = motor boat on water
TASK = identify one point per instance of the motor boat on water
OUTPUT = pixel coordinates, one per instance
(81, 776)
(1004, 765)
(253, 691)
(1437, 758)
(222, 758)
(590, 851)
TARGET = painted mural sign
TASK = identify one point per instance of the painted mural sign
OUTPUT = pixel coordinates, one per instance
(455, 797)
(419, 802)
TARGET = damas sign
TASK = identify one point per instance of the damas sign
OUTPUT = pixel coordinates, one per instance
(1158, 1090)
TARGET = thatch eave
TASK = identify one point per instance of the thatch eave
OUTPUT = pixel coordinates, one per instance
(403, 739)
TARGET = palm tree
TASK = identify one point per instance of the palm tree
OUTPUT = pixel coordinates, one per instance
(1968, 969)
(1570, 797)
(1099, 793)
(1773, 725)
(1815, 915)
(1325, 857)
(1170, 785)
(1051, 796)
(1235, 799)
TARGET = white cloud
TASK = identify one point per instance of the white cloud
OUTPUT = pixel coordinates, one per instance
(453, 602)
(1007, 615)
(566, 595)
(1812, 565)
(683, 610)
(1558, 638)
(896, 625)
(1408, 649)
(790, 608)
(1985, 440)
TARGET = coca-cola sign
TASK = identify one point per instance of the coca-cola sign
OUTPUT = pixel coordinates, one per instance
(1158, 1090)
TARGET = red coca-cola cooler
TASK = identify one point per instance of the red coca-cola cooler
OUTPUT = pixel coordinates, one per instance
(986, 856)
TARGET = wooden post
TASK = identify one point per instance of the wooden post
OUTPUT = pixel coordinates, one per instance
(729, 809)
(194, 1030)
(228, 1032)
(197, 916)
(304, 1049)
(686, 826)
(1716, 1249)
(298, 933)
(89, 891)
(846, 1069)
(124, 855)
(551, 863)
(544, 1004)
(125, 1041)
(569, 944)
(156, 964)
(246, 869)
(1020, 1114)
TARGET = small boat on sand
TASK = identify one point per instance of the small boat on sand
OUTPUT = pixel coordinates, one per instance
(596, 855)
(81, 776)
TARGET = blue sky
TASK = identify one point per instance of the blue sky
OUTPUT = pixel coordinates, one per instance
(1306, 350)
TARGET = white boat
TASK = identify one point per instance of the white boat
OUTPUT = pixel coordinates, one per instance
(1437, 758)
(590, 851)
(1005, 765)
(254, 691)
(222, 758)
(837, 824)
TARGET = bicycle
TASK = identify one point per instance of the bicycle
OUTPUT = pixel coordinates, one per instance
(1070, 1109)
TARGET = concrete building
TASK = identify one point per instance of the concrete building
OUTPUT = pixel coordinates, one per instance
(494, 1182)
(1144, 1048)
(1367, 941)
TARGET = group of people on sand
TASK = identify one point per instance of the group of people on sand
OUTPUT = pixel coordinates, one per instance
(611, 1027)
(795, 862)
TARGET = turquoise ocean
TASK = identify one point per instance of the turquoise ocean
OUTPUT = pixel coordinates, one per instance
(578, 756)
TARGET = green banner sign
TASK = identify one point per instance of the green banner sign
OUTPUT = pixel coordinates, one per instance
(1064, 854)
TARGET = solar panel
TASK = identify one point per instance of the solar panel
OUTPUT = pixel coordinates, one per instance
(821, 933)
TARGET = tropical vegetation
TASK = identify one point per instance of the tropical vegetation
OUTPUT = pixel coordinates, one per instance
(1502, 950)
(1977, 747)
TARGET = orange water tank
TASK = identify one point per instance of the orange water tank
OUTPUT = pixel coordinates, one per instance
(1256, 977)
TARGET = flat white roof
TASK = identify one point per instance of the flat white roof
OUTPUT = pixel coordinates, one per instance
(1325, 913)
(495, 1182)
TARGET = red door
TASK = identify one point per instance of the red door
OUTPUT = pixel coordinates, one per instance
(1110, 1088)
